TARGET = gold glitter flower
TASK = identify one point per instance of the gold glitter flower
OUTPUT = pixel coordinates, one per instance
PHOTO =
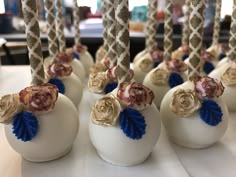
(9, 105)
(106, 111)
(97, 82)
(160, 77)
(146, 64)
(98, 67)
(229, 77)
(184, 102)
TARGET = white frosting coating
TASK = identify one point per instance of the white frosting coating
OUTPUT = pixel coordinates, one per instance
(87, 61)
(93, 97)
(223, 62)
(139, 75)
(73, 88)
(115, 147)
(230, 91)
(139, 55)
(57, 132)
(192, 132)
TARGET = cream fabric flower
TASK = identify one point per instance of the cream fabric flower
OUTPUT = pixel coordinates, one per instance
(97, 82)
(184, 102)
(160, 77)
(106, 111)
(9, 105)
(229, 77)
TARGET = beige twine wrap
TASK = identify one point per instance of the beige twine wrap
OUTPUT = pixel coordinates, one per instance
(232, 39)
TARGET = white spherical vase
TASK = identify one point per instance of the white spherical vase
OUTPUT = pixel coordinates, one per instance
(158, 78)
(57, 132)
(115, 147)
(191, 131)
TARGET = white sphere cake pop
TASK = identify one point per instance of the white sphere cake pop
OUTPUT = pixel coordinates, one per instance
(60, 74)
(78, 68)
(193, 121)
(123, 128)
(167, 75)
(146, 63)
(39, 115)
(81, 53)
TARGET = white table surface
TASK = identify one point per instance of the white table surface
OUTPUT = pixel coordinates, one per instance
(167, 159)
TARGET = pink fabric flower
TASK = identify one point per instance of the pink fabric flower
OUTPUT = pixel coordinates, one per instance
(64, 57)
(206, 56)
(111, 74)
(135, 95)
(39, 98)
(59, 70)
(207, 87)
(176, 65)
(157, 55)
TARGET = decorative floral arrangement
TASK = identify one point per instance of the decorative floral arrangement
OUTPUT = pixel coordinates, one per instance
(64, 57)
(101, 66)
(21, 109)
(170, 76)
(181, 53)
(157, 57)
(229, 76)
(206, 89)
(58, 71)
(207, 57)
(123, 109)
(78, 49)
(104, 82)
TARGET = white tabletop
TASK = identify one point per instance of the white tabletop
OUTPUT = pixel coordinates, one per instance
(167, 160)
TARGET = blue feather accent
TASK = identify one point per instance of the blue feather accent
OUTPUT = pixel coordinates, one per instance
(221, 56)
(156, 64)
(59, 84)
(211, 112)
(110, 87)
(76, 55)
(185, 56)
(132, 123)
(175, 79)
(25, 126)
(208, 67)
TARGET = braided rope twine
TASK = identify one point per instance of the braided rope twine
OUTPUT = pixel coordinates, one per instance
(185, 36)
(30, 14)
(232, 39)
(51, 28)
(195, 39)
(123, 43)
(168, 26)
(60, 26)
(151, 26)
(76, 16)
(216, 32)
(111, 31)
(104, 21)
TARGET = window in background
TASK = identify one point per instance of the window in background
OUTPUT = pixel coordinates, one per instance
(2, 7)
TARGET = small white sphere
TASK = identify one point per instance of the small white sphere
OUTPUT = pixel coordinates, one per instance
(73, 89)
(57, 132)
(191, 132)
(87, 61)
(115, 147)
(139, 55)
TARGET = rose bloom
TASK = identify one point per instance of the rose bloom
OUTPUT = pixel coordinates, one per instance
(135, 95)
(97, 82)
(80, 48)
(229, 77)
(106, 62)
(64, 57)
(39, 98)
(106, 111)
(160, 77)
(176, 65)
(59, 69)
(157, 55)
(184, 102)
(111, 74)
(207, 87)
(207, 56)
(9, 106)
(98, 67)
